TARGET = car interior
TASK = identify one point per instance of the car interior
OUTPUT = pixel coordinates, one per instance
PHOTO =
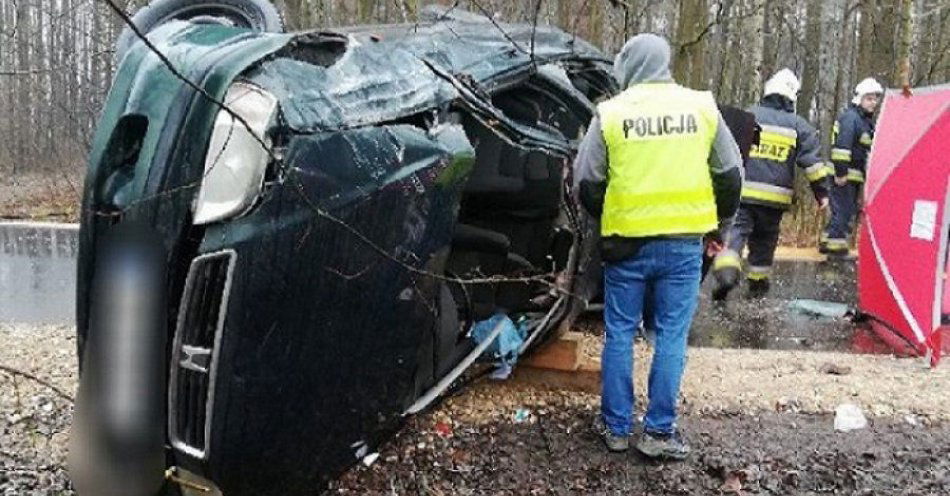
(514, 222)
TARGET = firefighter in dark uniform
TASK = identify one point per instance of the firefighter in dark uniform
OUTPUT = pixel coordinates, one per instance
(786, 141)
(851, 141)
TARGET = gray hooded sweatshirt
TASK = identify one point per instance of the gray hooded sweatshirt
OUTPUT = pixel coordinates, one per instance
(646, 59)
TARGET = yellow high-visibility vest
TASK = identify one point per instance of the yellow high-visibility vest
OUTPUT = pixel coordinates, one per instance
(658, 137)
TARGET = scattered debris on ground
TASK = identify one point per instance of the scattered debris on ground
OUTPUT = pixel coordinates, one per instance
(834, 369)
(849, 417)
(35, 419)
(556, 453)
(511, 438)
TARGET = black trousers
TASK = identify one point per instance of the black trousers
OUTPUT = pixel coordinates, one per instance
(758, 227)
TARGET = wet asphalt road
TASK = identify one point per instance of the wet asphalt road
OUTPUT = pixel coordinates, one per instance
(770, 322)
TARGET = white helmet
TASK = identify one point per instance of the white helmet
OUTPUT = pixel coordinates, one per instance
(783, 83)
(869, 86)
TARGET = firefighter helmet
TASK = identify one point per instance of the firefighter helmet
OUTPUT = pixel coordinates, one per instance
(784, 83)
(869, 86)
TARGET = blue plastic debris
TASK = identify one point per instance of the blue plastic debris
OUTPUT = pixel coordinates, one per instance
(505, 348)
(521, 415)
(502, 372)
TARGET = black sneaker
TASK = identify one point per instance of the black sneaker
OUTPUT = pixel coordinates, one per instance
(614, 443)
(663, 446)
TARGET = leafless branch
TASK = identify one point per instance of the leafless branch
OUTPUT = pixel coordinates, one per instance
(27, 375)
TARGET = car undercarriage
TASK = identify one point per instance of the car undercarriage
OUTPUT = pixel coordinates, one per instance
(335, 211)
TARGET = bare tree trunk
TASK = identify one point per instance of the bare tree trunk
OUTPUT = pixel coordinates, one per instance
(595, 23)
(721, 39)
(565, 14)
(767, 30)
(296, 14)
(877, 40)
(365, 10)
(813, 49)
(844, 59)
(691, 30)
(902, 68)
(866, 34)
(6, 88)
(411, 10)
(754, 35)
(23, 97)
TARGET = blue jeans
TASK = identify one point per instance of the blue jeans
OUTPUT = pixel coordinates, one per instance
(663, 275)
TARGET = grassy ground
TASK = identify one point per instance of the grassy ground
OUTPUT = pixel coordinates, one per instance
(52, 196)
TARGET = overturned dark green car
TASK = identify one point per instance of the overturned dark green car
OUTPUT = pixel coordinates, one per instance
(323, 217)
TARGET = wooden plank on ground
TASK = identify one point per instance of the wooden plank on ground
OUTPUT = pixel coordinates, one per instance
(563, 353)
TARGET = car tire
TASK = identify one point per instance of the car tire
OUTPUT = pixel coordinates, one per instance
(258, 15)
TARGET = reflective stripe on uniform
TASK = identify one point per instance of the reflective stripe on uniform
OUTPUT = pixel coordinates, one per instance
(775, 143)
(816, 172)
(866, 139)
(855, 175)
(767, 192)
(778, 134)
(727, 259)
(840, 154)
(837, 243)
(759, 272)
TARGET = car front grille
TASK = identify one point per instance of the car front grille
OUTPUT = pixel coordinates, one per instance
(200, 322)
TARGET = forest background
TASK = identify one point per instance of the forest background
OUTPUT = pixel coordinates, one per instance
(57, 60)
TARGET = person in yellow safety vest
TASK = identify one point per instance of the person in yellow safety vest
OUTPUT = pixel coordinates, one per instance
(850, 146)
(786, 141)
(660, 167)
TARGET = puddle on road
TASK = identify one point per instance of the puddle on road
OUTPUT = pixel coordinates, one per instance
(37, 274)
(770, 322)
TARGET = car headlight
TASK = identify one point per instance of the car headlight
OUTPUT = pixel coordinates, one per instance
(236, 161)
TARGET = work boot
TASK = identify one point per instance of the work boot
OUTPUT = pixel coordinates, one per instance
(758, 288)
(663, 446)
(823, 247)
(837, 248)
(614, 443)
(726, 279)
(721, 292)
